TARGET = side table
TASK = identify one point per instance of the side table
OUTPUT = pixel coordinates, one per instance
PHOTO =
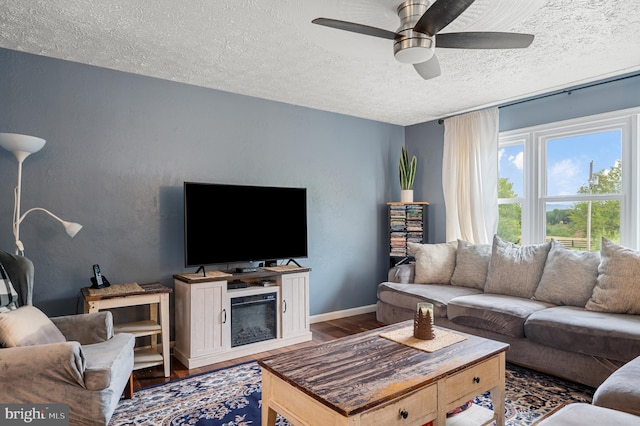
(153, 294)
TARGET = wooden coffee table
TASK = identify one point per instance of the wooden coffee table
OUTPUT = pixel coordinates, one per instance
(365, 379)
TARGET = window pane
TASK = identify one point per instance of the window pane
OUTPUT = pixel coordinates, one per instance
(510, 174)
(510, 222)
(573, 160)
(574, 224)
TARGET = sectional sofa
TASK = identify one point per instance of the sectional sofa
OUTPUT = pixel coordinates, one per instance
(615, 402)
(572, 314)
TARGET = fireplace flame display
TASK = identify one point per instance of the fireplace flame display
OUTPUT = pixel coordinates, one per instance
(253, 319)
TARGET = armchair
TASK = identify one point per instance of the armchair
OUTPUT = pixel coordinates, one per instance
(88, 371)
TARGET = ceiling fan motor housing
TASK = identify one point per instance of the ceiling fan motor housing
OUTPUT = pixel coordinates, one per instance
(412, 47)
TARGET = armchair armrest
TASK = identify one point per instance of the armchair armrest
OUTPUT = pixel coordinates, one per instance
(35, 373)
(86, 328)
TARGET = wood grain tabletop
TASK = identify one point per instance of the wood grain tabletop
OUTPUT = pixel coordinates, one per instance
(355, 373)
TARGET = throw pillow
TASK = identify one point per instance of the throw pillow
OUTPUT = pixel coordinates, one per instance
(8, 294)
(434, 262)
(472, 263)
(514, 270)
(27, 326)
(618, 286)
(569, 276)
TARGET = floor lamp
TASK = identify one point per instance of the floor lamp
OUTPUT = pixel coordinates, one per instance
(22, 146)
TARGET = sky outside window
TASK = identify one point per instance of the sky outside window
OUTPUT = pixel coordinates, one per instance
(511, 159)
(568, 161)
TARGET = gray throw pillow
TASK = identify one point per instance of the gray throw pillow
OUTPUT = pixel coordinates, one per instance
(514, 270)
(27, 326)
(434, 262)
(569, 276)
(472, 263)
(618, 286)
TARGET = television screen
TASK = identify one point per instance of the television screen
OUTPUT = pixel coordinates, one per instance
(238, 223)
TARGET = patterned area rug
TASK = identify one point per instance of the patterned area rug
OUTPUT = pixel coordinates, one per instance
(530, 395)
(232, 397)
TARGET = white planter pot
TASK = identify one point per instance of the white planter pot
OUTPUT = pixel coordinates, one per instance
(406, 196)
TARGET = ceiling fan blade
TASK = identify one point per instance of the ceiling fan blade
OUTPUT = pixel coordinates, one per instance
(428, 69)
(356, 28)
(441, 14)
(484, 40)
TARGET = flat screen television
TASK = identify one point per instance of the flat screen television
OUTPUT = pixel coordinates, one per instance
(239, 223)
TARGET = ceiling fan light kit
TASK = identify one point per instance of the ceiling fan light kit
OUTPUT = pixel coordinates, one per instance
(412, 47)
(415, 41)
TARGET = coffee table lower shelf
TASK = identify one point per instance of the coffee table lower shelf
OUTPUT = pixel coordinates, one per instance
(473, 416)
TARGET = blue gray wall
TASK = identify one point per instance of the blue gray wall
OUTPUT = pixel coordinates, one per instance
(598, 99)
(119, 147)
(426, 139)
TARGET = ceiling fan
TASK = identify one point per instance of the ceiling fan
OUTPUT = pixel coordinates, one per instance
(418, 36)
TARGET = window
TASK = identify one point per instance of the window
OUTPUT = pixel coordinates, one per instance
(574, 181)
(511, 189)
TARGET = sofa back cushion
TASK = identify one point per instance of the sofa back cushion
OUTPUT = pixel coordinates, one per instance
(434, 262)
(569, 276)
(515, 270)
(472, 263)
(618, 286)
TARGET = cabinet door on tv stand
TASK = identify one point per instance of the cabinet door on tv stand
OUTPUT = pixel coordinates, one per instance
(211, 318)
(295, 304)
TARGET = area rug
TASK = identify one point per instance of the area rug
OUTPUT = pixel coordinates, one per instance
(232, 397)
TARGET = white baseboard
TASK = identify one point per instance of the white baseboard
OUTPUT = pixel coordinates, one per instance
(341, 314)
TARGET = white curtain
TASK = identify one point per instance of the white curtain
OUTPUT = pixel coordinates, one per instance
(470, 176)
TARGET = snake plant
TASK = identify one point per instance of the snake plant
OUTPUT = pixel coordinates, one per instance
(407, 169)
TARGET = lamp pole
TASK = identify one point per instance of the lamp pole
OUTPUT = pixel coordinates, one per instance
(16, 212)
(591, 183)
(22, 146)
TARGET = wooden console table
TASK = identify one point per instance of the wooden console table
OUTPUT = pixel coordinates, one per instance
(366, 379)
(157, 297)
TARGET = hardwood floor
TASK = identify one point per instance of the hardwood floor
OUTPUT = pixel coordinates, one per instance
(321, 332)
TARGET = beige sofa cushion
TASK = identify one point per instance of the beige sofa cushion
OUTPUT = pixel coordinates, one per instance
(27, 326)
(569, 276)
(472, 263)
(434, 262)
(618, 286)
(515, 270)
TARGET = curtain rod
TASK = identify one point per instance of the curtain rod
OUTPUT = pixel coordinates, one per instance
(559, 92)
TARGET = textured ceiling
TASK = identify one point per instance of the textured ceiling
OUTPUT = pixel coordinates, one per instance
(269, 49)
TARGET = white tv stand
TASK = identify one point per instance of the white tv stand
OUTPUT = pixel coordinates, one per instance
(203, 312)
